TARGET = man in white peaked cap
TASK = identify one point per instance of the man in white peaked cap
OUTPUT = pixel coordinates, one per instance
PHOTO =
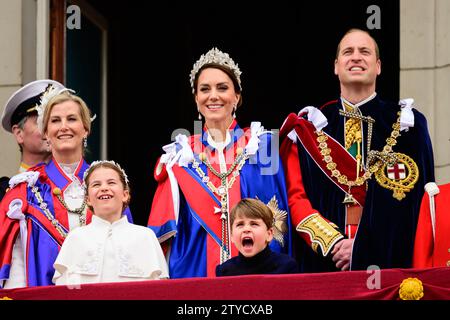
(19, 118)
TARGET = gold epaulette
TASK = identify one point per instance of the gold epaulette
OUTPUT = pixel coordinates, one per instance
(321, 232)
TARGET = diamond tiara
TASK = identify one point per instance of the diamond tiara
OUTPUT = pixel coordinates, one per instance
(100, 162)
(215, 56)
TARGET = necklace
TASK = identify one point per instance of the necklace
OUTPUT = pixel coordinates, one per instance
(222, 192)
(375, 159)
(47, 212)
(79, 211)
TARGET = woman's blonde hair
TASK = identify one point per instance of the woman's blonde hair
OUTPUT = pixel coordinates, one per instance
(63, 97)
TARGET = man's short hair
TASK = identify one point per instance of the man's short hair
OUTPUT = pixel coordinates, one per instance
(377, 50)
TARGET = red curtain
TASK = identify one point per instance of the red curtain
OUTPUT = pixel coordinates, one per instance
(352, 285)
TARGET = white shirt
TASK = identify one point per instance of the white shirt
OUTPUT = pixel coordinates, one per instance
(73, 194)
(109, 252)
(220, 146)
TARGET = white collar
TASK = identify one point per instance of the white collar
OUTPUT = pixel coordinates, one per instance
(357, 105)
(97, 221)
(70, 169)
(219, 145)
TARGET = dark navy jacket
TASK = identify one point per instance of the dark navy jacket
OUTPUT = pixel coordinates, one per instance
(386, 232)
(265, 262)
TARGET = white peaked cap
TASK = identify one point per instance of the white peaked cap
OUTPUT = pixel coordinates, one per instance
(18, 102)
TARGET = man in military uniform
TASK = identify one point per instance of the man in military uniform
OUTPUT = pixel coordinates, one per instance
(19, 118)
(356, 169)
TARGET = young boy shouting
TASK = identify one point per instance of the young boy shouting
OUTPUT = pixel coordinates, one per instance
(251, 231)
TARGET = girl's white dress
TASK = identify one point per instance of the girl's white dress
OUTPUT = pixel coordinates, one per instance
(109, 252)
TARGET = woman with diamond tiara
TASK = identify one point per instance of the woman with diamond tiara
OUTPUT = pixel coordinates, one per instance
(109, 249)
(47, 201)
(201, 177)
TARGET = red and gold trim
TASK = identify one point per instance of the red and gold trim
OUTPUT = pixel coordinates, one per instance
(321, 232)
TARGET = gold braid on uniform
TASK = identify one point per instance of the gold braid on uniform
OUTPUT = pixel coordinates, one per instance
(321, 232)
(352, 127)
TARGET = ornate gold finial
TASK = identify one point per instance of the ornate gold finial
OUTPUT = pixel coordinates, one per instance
(411, 289)
(215, 56)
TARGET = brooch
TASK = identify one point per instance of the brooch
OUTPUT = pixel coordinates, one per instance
(399, 177)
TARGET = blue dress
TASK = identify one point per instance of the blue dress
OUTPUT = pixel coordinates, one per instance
(190, 208)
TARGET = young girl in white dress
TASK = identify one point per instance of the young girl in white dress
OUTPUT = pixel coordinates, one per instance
(109, 249)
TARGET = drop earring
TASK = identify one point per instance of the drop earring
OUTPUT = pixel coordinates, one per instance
(234, 111)
(47, 146)
(199, 114)
(85, 142)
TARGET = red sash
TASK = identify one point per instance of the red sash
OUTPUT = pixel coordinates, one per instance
(346, 164)
(202, 202)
